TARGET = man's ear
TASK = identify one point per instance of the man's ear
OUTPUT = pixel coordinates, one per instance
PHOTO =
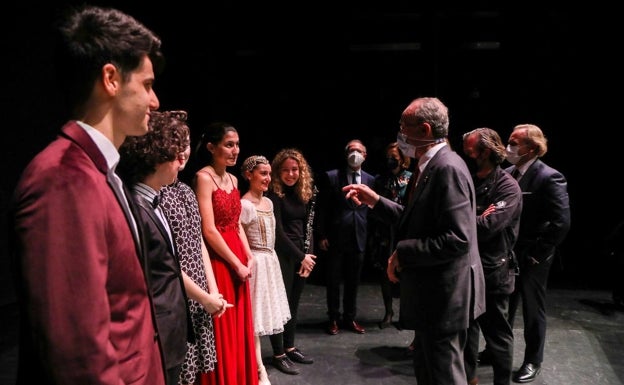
(424, 130)
(110, 78)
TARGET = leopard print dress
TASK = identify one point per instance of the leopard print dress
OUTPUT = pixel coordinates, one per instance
(180, 206)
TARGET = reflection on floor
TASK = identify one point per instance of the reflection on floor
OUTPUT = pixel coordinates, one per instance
(585, 343)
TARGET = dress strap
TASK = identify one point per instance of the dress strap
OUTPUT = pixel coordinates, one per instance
(211, 177)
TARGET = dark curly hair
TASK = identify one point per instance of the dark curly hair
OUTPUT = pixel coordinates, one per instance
(168, 136)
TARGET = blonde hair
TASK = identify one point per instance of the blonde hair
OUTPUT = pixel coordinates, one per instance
(304, 188)
(534, 137)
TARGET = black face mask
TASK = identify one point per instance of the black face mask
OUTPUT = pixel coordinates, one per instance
(392, 163)
(472, 166)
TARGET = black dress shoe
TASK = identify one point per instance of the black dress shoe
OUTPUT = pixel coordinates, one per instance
(355, 327)
(295, 355)
(332, 328)
(484, 358)
(285, 365)
(526, 373)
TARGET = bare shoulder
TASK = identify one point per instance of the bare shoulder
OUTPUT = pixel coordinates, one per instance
(204, 180)
(234, 179)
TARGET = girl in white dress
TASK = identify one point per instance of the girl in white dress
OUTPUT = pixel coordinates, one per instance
(268, 294)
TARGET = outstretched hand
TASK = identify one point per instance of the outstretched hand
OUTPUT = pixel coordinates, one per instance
(361, 194)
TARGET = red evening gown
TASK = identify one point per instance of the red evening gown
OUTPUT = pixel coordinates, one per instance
(234, 336)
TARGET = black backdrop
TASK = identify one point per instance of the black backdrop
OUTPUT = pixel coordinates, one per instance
(315, 76)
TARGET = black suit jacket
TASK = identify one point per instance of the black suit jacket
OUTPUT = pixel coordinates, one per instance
(340, 220)
(545, 219)
(169, 295)
(442, 284)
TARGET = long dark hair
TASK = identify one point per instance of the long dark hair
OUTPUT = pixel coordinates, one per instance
(200, 156)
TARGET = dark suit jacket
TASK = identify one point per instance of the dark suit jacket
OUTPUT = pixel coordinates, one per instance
(86, 316)
(339, 219)
(170, 300)
(442, 284)
(545, 218)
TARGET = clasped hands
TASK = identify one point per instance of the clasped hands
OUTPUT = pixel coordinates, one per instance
(217, 305)
(244, 271)
(307, 264)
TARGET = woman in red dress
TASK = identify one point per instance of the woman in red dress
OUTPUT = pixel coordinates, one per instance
(220, 207)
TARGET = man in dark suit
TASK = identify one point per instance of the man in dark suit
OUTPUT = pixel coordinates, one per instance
(342, 232)
(544, 223)
(148, 163)
(85, 311)
(437, 257)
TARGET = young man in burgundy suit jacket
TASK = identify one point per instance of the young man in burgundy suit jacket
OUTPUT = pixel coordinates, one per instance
(86, 314)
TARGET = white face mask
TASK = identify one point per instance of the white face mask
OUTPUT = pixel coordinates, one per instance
(406, 148)
(355, 159)
(409, 149)
(512, 154)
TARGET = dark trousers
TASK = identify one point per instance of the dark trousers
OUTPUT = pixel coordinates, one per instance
(498, 336)
(173, 375)
(531, 289)
(439, 358)
(388, 290)
(294, 285)
(343, 267)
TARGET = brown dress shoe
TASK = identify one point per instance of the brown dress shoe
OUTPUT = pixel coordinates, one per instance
(332, 328)
(355, 327)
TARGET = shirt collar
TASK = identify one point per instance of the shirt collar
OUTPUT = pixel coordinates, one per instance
(103, 144)
(523, 169)
(424, 160)
(145, 191)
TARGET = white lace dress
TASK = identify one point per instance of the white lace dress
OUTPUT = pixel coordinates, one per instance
(268, 296)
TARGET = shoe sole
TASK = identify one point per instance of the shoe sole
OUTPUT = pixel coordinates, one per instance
(292, 372)
(537, 372)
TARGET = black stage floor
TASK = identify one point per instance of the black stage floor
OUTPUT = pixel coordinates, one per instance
(585, 343)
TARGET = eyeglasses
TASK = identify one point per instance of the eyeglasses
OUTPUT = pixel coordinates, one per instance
(404, 136)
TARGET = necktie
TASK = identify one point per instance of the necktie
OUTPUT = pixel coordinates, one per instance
(354, 177)
(515, 173)
(411, 185)
(156, 201)
(162, 217)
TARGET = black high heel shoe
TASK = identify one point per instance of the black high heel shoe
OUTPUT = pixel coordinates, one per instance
(386, 322)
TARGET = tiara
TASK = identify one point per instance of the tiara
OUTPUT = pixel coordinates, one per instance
(251, 162)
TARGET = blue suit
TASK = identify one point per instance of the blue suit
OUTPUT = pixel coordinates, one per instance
(544, 223)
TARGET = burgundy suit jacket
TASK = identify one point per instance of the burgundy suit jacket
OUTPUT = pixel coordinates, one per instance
(86, 315)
